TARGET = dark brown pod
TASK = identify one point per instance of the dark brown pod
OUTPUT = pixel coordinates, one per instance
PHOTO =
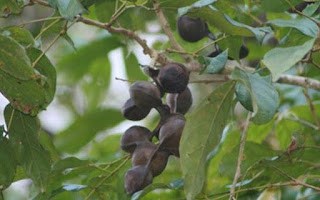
(145, 95)
(144, 152)
(181, 102)
(137, 178)
(170, 133)
(173, 78)
(133, 137)
(192, 29)
(132, 112)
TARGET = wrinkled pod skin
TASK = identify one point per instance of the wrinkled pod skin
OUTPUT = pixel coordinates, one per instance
(132, 112)
(145, 95)
(170, 133)
(173, 78)
(137, 178)
(134, 136)
(192, 29)
(180, 103)
(146, 151)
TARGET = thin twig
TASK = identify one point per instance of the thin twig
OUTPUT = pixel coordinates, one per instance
(39, 20)
(125, 80)
(295, 181)
(211, 43)
(105, 178)
(46, 28)
(165, 26)
(117, 13)
(240, 156)
(315, 64)
(312, 108)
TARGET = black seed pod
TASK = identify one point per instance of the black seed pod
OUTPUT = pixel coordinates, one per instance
(183, 101)
(192, 29)
(170, 133)
(137, 178)
(173, 78)
(143, 154)
(133, 137)
(132, 112)
(145, 95)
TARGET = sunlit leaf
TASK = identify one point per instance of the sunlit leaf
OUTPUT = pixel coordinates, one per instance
(279, 60)
(68, 8)
(20, 35)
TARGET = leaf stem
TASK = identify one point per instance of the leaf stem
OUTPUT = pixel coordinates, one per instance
(39, 20)
(46, 28)
(209, 44)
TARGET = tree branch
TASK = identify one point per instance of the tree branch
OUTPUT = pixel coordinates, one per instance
(240, 156)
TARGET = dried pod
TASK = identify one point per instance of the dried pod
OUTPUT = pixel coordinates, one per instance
(146, 151)
(180, 103)
(132, 112)
(145, 95)
(192, 29)
(170, 133)
(173, 78)
(137, 178)
(134, 136)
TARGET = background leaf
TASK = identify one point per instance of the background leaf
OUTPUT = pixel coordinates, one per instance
(8, 163)
(215, 64)
(210, 117)
(84, 130)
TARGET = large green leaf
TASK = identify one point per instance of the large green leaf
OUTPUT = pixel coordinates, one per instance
(68, 8)
(14, 60)
(84, 129)
(8, 163)
(279, 60)
(306, 26)
(210, 117)
(264, 97)
(82, 59)
(34, 95)
(24, 132)
(21, 35)
(222, 21)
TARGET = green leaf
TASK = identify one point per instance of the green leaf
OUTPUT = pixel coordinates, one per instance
(14, 60)
(306, 26)
(21, 35)
(264, 97)
(46, 141)
(177, 4)
(235, 43)
(24, 133)
(68, 8)
(47, 71)
(96, 87)
(210, 117)
(8, 163)
(105, 10)
(133, 69)
(85, 56)
(279, 60)
(8, 7)
(84, 129)
(216, 64)
(223, 22)
(277, 6)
